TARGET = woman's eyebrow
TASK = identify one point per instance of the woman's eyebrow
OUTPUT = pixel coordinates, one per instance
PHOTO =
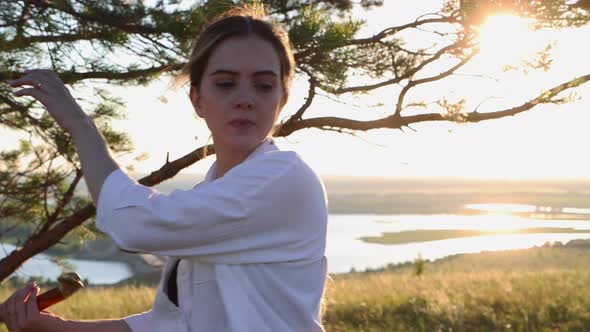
(235, 73)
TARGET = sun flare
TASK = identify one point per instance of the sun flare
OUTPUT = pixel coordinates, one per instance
(507, 39)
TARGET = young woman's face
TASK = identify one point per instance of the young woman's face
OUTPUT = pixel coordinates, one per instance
(240, 94)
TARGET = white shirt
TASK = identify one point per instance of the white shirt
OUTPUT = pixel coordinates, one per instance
(251, 245)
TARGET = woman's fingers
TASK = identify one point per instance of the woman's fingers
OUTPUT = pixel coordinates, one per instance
(39, 79)
(10, 318)
(35, 93)
(25, 80)
(31, 302)
(18, 312)
(18, 303)
(42, 82)
(28, 92)
(30, 77)
(3, 313)
(38, 86)
(47, 87)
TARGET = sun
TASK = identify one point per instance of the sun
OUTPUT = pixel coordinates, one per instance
(507, 39)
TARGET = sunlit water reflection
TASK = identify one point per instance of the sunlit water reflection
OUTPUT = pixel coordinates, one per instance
(345, 250)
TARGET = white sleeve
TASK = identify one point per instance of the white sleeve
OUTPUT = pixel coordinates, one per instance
(140, 322)
(262, 204)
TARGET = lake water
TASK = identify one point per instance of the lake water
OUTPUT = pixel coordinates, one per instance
(102, 272)
(345, 251)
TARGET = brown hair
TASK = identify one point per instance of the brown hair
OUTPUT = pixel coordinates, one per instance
(240, 21)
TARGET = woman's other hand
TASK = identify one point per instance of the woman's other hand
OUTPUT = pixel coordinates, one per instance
(20, 312)
(49, 89)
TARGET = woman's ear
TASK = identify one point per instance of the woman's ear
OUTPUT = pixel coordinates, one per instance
(195, 100)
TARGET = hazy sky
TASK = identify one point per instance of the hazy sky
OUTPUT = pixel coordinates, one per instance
(548, 142)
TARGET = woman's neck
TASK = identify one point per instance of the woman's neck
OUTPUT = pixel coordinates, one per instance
(228, 158)
(227, 161)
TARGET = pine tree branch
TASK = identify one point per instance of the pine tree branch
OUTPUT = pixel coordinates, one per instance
(62, 203)
(393, 30)
(308, 100)
(396, 122)
(400, 78)
(70, 77)
(412, 83)
(21, 21)
(379, 36)
(18, 43)
(120, 23)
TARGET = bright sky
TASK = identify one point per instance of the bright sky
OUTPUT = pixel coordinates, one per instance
(548, 142)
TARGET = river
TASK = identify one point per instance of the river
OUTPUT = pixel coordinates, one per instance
(345, 250)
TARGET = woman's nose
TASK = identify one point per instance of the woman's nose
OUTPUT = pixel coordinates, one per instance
(244, 102)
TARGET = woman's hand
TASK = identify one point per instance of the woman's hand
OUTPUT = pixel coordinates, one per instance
(20, 312)
(50, 90)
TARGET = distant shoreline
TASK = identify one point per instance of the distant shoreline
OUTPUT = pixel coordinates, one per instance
(393, 238)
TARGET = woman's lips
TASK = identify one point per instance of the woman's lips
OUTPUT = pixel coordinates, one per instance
(241, 123)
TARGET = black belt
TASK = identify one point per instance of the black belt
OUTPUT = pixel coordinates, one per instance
(172, 287)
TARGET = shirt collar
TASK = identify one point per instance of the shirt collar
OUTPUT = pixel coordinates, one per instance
(266, 146)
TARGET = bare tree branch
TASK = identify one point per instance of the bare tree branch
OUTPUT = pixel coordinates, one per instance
(397, 122)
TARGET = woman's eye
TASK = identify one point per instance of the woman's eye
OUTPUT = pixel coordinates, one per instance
(264, 86)
(224, 85)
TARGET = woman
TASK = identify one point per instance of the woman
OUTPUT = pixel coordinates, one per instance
(245, 246)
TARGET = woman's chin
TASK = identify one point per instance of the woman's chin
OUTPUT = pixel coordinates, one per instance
(242, 143)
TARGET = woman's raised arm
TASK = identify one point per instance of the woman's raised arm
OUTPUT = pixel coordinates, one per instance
(48, 88)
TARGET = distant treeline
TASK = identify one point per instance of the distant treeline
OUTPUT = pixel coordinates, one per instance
(432, 196)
